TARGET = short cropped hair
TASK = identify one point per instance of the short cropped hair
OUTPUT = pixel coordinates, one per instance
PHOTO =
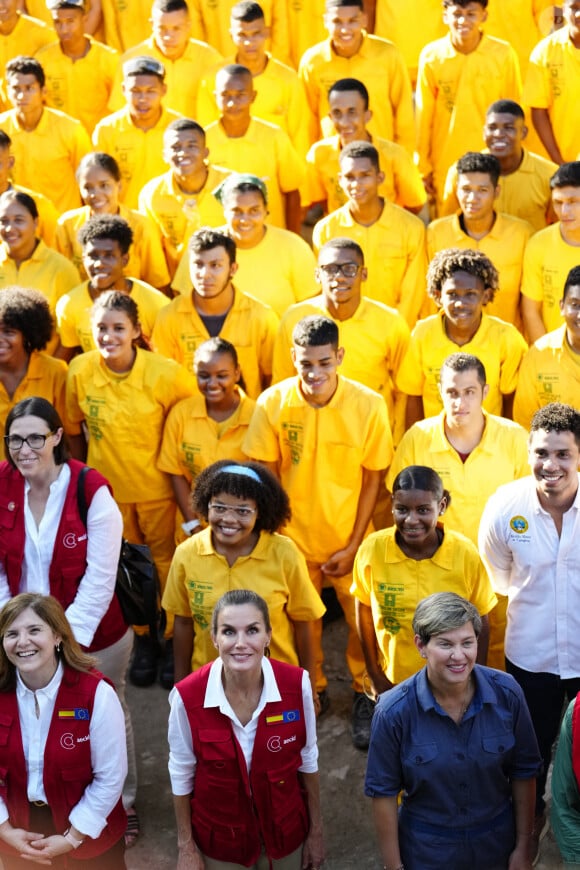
(315, 331)
(5, 140)
(330, 4)
(464, 362)
(26, 66)
(360, 149)
(342, 243)
(247, 11)
(506, 107)
(450, 260)
(207, 238)
(557, 417)
(572, 280)
(444, 611)
(107, 226)
(464, 3)
(343, 86)
(566, 175)
(475, 161)
(165, 6)
(181, 125)
(235, 69)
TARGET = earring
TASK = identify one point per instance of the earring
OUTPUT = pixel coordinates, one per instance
(58, 647)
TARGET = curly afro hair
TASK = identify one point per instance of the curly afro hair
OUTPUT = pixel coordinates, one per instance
(27, 311)
(445, 263)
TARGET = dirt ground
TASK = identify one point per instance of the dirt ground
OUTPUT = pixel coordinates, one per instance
(350, 839)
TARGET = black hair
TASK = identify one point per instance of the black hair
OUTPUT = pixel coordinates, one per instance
(27, 311)
(464, 362)
(5, 140)
(235, 69)
(35, 406)
(315, 331)
(23, 199)
(572, 280)
(506, 107)
(237, 598)
(247, 11)
(164, 6)
(450, 260)
(99, 160)
(183, 124)
(116, 300)
(217, 344)
(421, 477)
(566, 175)
(557, 417)
(26, 66)
(343, 86)
(360, 149)
(464, 3)
(107, 226)
(342, 243)
(207, 238)
(475, 161)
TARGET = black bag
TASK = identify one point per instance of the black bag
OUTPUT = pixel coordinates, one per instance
(137, 587)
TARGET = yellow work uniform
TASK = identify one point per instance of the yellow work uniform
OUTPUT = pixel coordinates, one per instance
(249, 325)
(146, 257)
(139, 153)
(68, 82)
(375, 340)
(178, 215)
(126, 22)
(392, 584)
(552, 83)
(504, 244)
(211, 23)
(394, 250)
(522, 23)
(305, 26)
(524, 194)
(264, 150)
(279, 270)
(547, 261)
(280, 99)
(29, 35)
(454, 92)
(275, 569)
(125, 415)
(379, 64)
(410, 25)
(402, 184)
(182, 76)
(46, 158)
(45, 377)
(498, 345)
(550, 372)
(73, 313)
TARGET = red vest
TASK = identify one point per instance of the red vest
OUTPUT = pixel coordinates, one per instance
(69, 557)
(67, 762)
(231, 813)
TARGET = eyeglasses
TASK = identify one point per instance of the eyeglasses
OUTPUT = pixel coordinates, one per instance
(331, 270)
(34, 441)
(220, 510)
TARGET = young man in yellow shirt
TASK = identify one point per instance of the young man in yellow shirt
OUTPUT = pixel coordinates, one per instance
(349, 111)
(550, 371)
(393, 240)
(134, 135)
(328, 440)
(211, 22)
(459, 77)
(480, 226)
(47, 144)
(216, 307)
(349, 52)
(524, 189)
(550, 254)
(20, 34)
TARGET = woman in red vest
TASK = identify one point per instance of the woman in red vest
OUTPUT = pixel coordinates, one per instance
(63, 759)
(243, 753)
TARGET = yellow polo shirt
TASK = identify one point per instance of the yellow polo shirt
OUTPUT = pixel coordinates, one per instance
(249, 325)
(73, 313)
(402, 184)
(28, 37)
(410, 25)
(275, 569)
(139, 153)
(126, 22)
(46, 158)
(524, 194)
(68, 82)
(375, 340)
(45, 377)
(394, 249)
(125, 416)
(305, 26)
(265, 150)
(550, 372)
(522, 23)
(498, 345)
(380, 65)
(552, 83)
(211, 22)
(504, 245)
(392, 584)
(46, 270)
(547, 261)
(321, 454)
(146, 257)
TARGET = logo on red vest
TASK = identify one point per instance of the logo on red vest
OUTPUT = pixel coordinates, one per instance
(71, 540)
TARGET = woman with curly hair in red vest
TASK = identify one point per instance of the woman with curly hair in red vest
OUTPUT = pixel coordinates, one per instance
(243, 753)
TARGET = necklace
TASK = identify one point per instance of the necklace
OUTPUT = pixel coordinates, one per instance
(457, 711)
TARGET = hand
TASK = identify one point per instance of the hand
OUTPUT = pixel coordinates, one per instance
(42, 851)
(429, 186)
(189, 858)
(313, 854)
(18, 838)
(340, 563)
(520, 858)
(379, 683)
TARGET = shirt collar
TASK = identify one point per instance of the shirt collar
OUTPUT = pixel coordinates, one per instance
(540, 510)
(484, 691)
(59, 484)
(215, 695)
(50, 690)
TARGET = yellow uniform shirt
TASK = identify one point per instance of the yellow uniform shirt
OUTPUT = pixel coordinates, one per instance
(45, 377)
(126, 22)
(522, 23)
(394, 249)
(454, 92)
(500, 457)
(547, 261)
(182, 76)
(498, 345)
(380, 65)
(402, 184)
(139, 153)
(279, 270)
(264, 150)
(550, 372)
(68, 82)
(305, 26)
(504, 245)
(552, 83)
(26, 39)
(375, 339)
(178, 215)
(275, 569)
(321, 454)
(192, 441)
(46, 158)
(249, 326)
(211, 22)
(410, 25)
(73, 313)
(146, 257)
(125, 416)
(524, 194)
(392, 584)
(46, 271)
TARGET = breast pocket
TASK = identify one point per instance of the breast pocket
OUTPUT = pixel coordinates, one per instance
(420, 754)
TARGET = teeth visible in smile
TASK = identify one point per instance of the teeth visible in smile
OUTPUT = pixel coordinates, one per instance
(26, 655)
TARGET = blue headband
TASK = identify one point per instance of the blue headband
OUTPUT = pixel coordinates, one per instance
(243, 470)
